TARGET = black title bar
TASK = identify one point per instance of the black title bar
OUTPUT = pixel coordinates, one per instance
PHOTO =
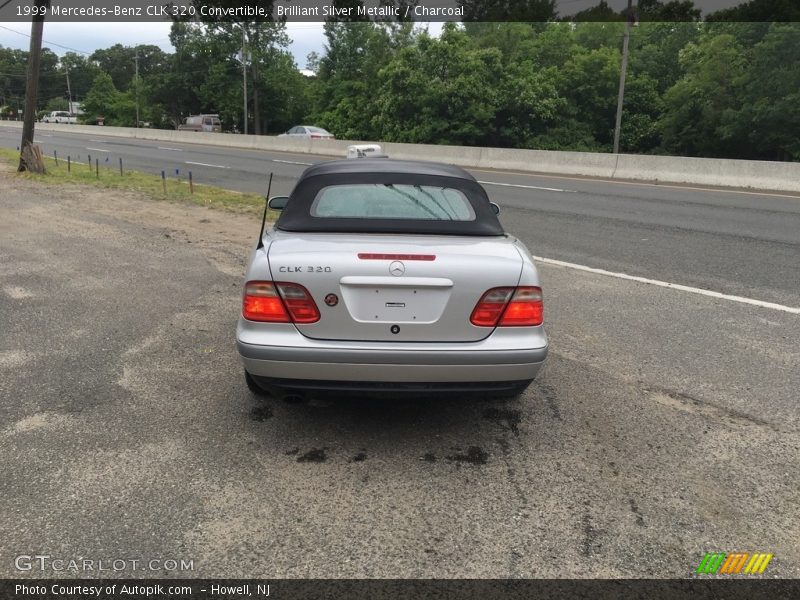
(89, 11)
(733, 588)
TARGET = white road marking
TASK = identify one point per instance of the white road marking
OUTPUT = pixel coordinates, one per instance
(98, 150)
(47, 135)
(166, 148)
(528, 187)
(291, 162)
(589, 178)
(199, 164)
(674, 286)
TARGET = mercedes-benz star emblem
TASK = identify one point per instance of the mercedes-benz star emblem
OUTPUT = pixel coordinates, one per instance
(397, 268)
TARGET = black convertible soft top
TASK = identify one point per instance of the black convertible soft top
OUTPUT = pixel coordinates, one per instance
(297, 214)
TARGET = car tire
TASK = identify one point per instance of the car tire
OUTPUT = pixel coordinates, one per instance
(253, 386)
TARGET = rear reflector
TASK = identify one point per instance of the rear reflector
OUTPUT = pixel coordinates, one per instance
(490, 307)
(368, 256)
(298, 302)
(509, 307)
(278, 302)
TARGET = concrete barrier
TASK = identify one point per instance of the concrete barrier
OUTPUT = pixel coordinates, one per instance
(753, 174)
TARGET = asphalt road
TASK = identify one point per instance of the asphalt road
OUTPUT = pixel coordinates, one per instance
(733, 242)
(663, 425)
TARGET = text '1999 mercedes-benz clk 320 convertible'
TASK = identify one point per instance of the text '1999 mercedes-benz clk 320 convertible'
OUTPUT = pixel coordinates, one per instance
(384, 275)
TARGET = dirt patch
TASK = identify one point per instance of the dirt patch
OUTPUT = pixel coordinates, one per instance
(179, 221)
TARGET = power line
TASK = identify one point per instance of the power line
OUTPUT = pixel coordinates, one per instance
(46, 41)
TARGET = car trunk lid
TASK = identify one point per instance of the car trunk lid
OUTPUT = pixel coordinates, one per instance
(371, 287)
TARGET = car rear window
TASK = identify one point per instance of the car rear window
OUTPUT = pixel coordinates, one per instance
(392, 201)
(316, 130)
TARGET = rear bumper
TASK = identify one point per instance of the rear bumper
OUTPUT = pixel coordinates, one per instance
(389, 389)
(314, 360)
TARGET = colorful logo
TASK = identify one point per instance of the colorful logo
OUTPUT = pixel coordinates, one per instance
(734, 563)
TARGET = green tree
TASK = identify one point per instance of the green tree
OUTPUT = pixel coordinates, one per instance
(175, 91)
(589, 81)
(440, 91)
(641, 111)
(82, 73)
(601, 12)
(312, 61)
(101, 100)
(555, 45)
(13, 65)
(672, 11)
(348, 77)
(695, 107)
(759, 11)
(768, 120)
(528, 105)
(56, 104)
(118, 62)
(655, 50)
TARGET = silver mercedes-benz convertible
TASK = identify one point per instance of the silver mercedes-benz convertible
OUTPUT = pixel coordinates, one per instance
(386, 275)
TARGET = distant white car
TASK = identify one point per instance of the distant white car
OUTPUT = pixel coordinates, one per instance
(365, 151)
(59, 116)
(308, 132)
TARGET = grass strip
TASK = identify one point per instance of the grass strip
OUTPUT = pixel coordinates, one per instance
(177, 188)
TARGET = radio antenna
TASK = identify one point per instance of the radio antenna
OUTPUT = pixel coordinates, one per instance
(264, 218)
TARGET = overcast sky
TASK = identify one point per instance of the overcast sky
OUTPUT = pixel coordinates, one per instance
(88, 37)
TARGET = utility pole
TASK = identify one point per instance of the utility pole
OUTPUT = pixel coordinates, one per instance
(69, 91)
(622, 74)
(254, 78)
(244, 74)
(29, 158)
(136, 79)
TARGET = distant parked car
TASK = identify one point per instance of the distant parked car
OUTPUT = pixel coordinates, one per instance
(209, 123)
(59, 116)
(308, 132)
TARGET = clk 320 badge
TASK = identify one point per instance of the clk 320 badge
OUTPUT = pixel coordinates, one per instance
(304, 269)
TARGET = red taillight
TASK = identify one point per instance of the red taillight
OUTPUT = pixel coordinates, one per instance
(509, 307)
(314, 136)
(278, 302)
(526, 308)
(262, 303)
